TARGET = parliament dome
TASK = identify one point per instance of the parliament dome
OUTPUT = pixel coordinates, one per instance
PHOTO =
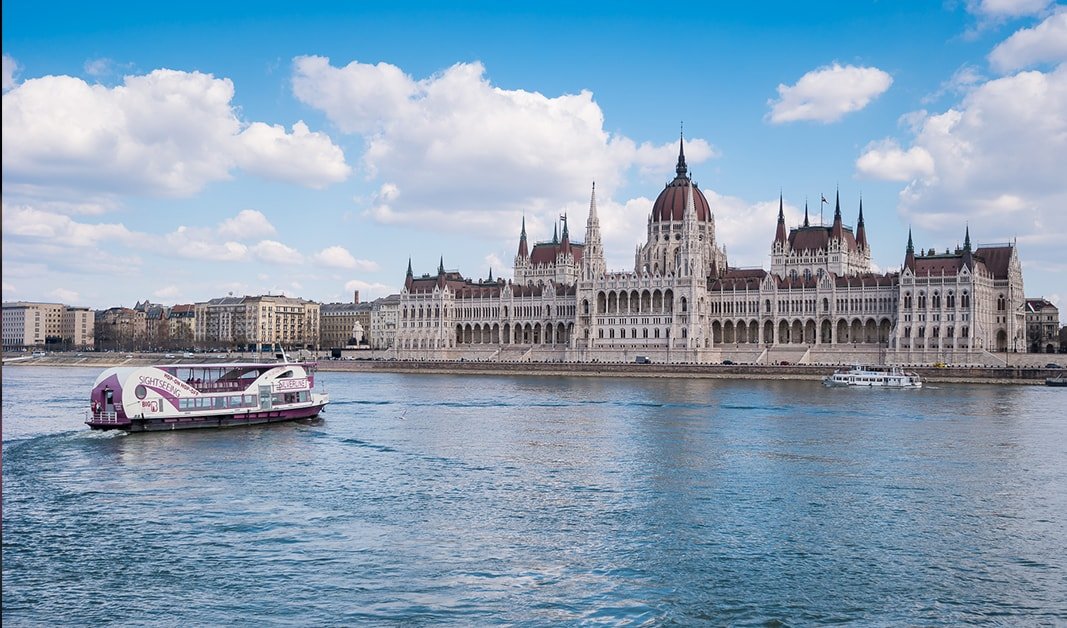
(670, 204)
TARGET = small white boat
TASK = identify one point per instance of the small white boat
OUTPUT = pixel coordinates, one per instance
(873, 377)
(180, 396)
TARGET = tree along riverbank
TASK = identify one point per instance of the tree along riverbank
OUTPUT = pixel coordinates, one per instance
(982, 375)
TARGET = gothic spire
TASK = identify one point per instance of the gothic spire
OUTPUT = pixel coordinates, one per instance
(409, 268)
(861, 231)
(779, 234)
(555, 233)
(806, 223)
(490, 274)
(524, 251)
(681, 168)
(592, 202)
(836, 231)
(441, 266)
(909, 256)
(968, 257)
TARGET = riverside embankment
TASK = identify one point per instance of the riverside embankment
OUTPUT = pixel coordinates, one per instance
(978, 375)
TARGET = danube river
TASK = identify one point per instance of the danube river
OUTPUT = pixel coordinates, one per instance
(544, 500)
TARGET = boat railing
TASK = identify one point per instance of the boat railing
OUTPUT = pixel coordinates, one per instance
(102, 417)
(220, 386)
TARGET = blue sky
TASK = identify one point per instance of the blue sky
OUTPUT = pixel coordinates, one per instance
(179, 153)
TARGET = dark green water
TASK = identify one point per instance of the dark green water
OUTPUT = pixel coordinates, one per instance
(507, 500)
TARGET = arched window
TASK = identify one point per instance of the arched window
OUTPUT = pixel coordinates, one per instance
(965, 301)
(907, 300)
(922, 300)
(937, 300)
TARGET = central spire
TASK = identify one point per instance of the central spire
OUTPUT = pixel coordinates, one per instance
(681, 168)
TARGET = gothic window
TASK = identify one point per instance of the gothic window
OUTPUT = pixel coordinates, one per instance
(922, 332)
(937, 300)
(907, 300)
(965, 300)
(964, 331)
(950, 300)
(1001, 303)
(922, 300)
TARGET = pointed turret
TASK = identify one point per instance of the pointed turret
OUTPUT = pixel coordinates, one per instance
(909, 256)
(524, 251)
(806, 223)
(490, 274)
(779, 234)
(968, 257)
(593, 254)
(681, 168)
(861, 231)
(410, 277)
(441, 266)
(565, 243)
(836, 232)
(555, 233)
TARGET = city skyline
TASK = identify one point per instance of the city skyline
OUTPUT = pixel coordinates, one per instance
(181, 158)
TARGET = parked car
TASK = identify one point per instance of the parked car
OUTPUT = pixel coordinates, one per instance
(727, 362)
(187, 355)
(1053, 365)
(169, 356)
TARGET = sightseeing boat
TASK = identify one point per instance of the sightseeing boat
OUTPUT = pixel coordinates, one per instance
(179, 396)
(872, 377)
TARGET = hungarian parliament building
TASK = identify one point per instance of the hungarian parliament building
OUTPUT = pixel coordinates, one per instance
(820, 302)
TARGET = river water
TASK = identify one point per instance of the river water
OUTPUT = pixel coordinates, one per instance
(436, 499)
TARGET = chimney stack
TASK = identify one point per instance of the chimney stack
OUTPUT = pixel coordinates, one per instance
(355, 297)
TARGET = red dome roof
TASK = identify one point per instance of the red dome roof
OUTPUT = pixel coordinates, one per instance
(670, 204)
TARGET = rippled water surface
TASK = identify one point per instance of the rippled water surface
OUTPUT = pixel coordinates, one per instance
(544, 500)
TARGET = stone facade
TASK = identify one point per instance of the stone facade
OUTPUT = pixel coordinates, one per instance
(29, 325)
(257, 321)
(1042, 326)
(820, 302)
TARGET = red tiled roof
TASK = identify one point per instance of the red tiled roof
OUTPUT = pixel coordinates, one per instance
(670, 204)
(818, 238)
(996, 259)
(938, 265)
(866, 279)
(545, 253)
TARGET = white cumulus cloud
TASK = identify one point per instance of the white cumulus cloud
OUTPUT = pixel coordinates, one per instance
(248, 224)
(302, 157)
(1006, 8)
(996, 159)
(1044, 43)
(339, 257)
(10, 68)
(369, 290)
(166, 133)
(275, 252)
(826, 94)
(886, 160)
(480, 151)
